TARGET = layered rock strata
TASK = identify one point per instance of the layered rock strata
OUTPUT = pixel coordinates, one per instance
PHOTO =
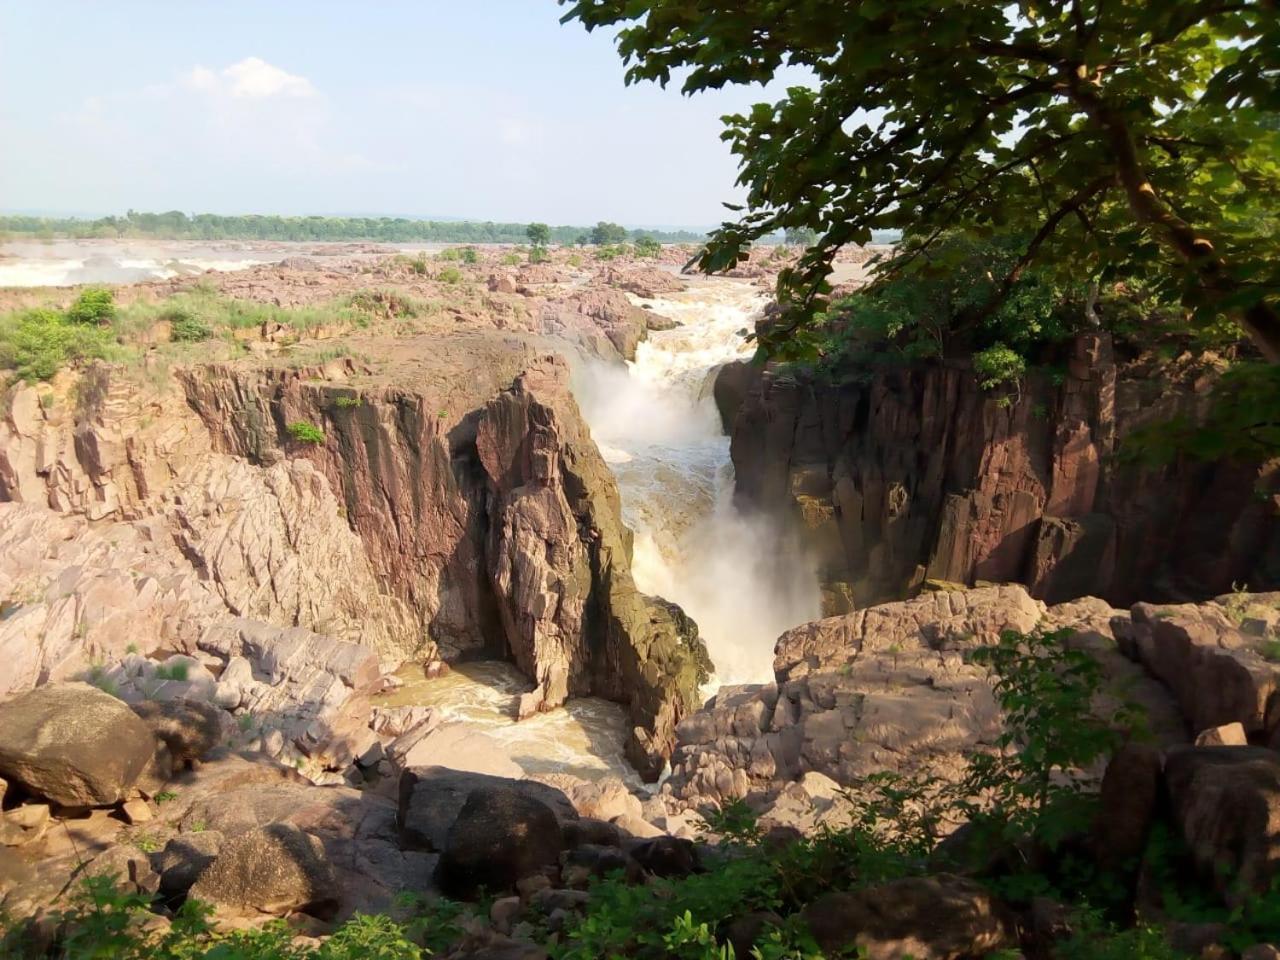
(918, 474)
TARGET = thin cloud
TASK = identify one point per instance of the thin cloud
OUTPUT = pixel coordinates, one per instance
(251, 78)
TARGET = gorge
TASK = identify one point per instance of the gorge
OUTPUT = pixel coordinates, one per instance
(410, 539)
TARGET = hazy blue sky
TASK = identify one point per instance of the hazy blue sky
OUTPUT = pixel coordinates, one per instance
(469, 108)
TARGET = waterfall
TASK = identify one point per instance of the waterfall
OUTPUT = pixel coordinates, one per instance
(741, 578)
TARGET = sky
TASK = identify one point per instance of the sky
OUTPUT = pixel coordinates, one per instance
(477, 109)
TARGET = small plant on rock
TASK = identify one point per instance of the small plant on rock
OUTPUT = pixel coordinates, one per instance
(305, 432)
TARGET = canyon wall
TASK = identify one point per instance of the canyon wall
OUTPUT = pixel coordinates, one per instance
(458, 510)
(918, 475)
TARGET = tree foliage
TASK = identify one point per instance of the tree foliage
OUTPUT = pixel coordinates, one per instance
(176, 225)
(604, 233)
(1118, 138)
(539, 234)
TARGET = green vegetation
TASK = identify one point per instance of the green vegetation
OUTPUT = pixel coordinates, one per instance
(176, 225)
(305, 432)
(604, 233)
(449, 275)
(179, 671)
(186, 326)
(347, 403)
(539, 234)
(1125, 140)
(1028, 796)
(510, 259)
(164, 796)
(35, 344)
(470, 255)
(94, 305)
(648, 247)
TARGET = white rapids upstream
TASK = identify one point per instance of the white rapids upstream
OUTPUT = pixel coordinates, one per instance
(656, 424)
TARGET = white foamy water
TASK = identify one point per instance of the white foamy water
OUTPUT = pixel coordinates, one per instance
(656, 424)
(67, 262)
(584, 738)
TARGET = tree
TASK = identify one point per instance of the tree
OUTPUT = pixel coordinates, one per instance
(606, 233)
(1119, 138)
(539, 234)
(647, 246)
(800, 237)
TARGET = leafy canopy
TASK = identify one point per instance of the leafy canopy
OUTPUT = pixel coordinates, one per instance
(539, 234)
(1120, 138)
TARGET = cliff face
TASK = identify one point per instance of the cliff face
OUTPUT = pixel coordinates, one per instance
(458, 516)
(918, 474)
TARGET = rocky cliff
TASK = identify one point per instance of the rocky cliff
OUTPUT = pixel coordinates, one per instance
(463, 513)
(917, 474)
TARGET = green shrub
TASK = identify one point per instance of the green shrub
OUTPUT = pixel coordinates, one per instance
(647, 247)
(450, 253)
(511, 259)
(93, 305)
(997, 366)
(36, 344)
(538, 254)
(305, 432)
(449, 275)
(347, 403)
(469, 255)
(179, 671)
(185, 326)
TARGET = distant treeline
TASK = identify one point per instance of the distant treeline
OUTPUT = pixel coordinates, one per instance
(176, 225)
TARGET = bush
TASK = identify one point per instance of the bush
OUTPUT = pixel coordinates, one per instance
(305, 432)
(469, 255)
(449, 253)
(511, 259)
(36, 344)
(647, 247)
(186, 326)
(998, 365)
(449, 275)
(94, 305)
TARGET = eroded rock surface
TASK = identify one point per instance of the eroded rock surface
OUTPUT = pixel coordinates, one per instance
(919, 474)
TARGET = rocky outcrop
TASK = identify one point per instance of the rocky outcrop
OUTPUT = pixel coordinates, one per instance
(604, 323)
(559, 564)
(428, 523)
(886, 688)
(918, 474)
(1215, 669)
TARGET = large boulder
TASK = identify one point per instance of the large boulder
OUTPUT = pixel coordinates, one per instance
(927, 918)
(1127, 807)
(184, 858)
(1227, 802)
(500, 836)
(276, 869)
(73, 744)
(189, 728)
(430, 799)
